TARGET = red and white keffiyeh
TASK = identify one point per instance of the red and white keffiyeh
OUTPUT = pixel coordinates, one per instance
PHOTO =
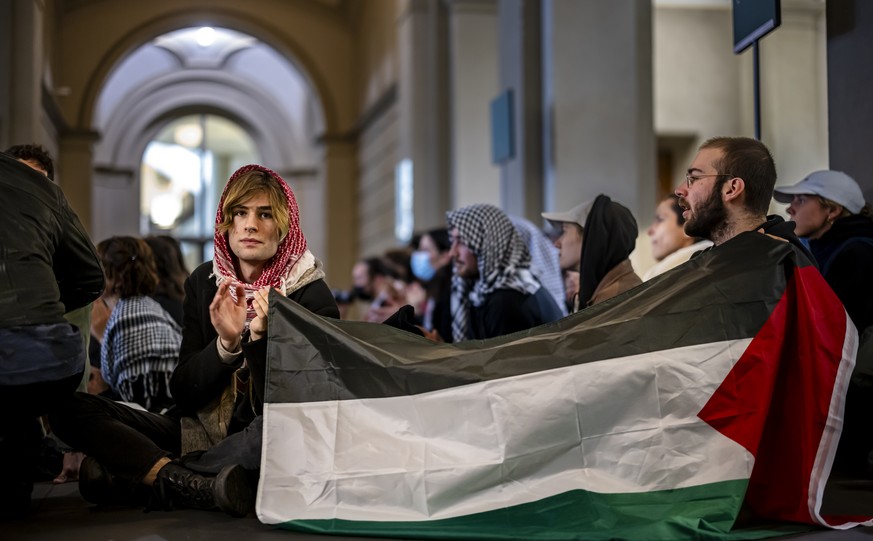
(285, 270)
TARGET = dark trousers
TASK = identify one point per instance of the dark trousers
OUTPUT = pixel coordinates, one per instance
(20, 435)
(127, 442)
(243, 448)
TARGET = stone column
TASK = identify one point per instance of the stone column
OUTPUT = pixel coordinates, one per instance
(423, 107)
(599, 103)
(24, 27)
(74, 172)
(474, 83)
(850, 80)
(340, 208)
(521, 178)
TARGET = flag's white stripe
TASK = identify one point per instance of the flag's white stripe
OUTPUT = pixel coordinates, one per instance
(622, 425)
(824, 458)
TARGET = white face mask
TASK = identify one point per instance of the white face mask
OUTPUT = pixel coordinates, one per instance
(421, 267)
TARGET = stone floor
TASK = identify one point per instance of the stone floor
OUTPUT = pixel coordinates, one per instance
(60, 513)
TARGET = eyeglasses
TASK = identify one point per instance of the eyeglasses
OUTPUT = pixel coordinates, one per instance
(691, 179)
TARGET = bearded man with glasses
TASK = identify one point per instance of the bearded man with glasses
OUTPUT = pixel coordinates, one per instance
(727, 191)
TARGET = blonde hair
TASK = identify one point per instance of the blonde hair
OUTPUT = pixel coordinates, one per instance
(247, 186)
(827, 203)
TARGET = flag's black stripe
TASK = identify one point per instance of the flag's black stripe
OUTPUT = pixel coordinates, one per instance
(726, 293)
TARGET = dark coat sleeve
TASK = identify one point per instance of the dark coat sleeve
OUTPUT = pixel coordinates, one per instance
(849, 277)
(76, 264)
(505, 312)
(200, 376)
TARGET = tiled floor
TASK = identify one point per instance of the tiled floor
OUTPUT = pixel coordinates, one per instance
(59, 513)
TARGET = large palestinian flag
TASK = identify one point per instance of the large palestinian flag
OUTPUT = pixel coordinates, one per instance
(657, 415)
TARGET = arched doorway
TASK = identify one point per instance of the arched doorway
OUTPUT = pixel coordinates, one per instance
(249, 103)
(181, 177)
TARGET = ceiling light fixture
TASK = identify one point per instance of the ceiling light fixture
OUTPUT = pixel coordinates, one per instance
(205, 36)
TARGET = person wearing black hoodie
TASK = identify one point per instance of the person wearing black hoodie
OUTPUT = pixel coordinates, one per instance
(597, 238)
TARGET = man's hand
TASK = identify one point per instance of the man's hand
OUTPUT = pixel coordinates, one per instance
(228, 316)
(771, 236)
(258, 326)
(431, 335)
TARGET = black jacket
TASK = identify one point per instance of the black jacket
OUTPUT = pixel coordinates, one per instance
(201, 376)
(778, 227)
(847, 264)
(48, 265)
(507, 311)
(609, 237)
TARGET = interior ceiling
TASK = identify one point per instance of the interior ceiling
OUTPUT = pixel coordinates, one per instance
(65, 6)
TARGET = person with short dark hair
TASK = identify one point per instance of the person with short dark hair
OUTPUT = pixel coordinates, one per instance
(727, 191)
(48, 266)
(37, 157)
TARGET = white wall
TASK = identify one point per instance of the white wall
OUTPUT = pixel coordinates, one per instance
(703, 90)
(474, 83)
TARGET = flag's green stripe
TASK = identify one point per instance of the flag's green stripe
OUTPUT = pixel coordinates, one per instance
(701, 512)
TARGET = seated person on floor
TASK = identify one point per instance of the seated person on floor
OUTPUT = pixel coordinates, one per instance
(140, 345)
(670, 245)
(596, 239)
(493, 290)
(133, 455)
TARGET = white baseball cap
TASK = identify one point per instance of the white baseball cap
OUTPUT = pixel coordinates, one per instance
(834, 185)
(576, 215)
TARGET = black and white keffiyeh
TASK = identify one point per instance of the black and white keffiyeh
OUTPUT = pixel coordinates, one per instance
(503, 261)
(544, 259)
(141, 342)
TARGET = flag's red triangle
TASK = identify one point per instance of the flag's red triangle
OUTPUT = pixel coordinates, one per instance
(776, 400)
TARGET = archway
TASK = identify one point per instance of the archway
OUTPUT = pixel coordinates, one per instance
(234, 77)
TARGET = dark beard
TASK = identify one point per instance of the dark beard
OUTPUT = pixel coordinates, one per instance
(709, 219)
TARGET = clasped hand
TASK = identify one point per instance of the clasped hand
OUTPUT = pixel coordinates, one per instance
(228, 316)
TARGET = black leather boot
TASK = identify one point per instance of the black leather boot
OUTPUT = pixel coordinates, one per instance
(97, 485)
(230, 491)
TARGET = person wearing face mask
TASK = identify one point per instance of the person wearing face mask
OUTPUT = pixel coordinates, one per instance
(430, 264)
(670, 245)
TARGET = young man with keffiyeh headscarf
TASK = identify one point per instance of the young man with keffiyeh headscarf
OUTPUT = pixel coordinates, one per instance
(219, 382)
(493, 290)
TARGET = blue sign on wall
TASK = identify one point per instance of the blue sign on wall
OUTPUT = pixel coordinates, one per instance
(502, 128)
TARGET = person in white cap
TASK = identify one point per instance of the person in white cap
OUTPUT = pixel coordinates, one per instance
(830, 211)
(596, 239)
